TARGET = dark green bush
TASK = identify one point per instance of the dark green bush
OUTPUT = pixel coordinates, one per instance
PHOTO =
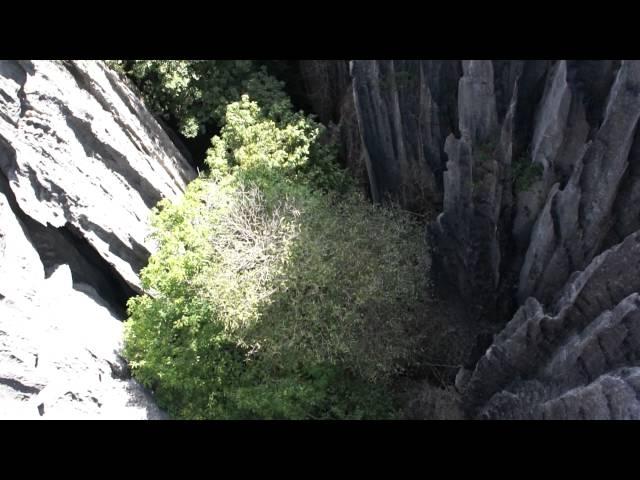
(197, 92)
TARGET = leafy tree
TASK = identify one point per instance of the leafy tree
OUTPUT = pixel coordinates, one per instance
(277, 290)
(196, 92)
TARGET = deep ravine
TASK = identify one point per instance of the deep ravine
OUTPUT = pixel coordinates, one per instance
(527, 175)
(536, 166)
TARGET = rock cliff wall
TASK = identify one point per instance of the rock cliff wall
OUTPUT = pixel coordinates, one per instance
(82, 162)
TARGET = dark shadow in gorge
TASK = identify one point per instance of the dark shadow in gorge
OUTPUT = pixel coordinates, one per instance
(289, 72)
(193, 149)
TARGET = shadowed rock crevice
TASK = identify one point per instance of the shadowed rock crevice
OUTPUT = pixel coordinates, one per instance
(405, 110)
(97, 272)
(19, 386)
(591, 81)
(66, 245)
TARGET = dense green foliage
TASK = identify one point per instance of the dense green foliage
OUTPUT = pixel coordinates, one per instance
(277, 290)
(258, 148)
(197, 92)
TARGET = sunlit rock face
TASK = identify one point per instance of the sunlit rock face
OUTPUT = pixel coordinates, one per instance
(82, 162)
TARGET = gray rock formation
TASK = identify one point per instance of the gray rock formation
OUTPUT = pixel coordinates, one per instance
(577, 359)
(82, 162)
(328, 89)
(405, 110)
(475, 183)
(534, 169)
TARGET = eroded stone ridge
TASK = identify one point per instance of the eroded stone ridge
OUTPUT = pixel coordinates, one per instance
(82, 162)
(78, 148)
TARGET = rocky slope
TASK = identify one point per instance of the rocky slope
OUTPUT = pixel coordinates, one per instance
(74, 139)
(534, 170)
